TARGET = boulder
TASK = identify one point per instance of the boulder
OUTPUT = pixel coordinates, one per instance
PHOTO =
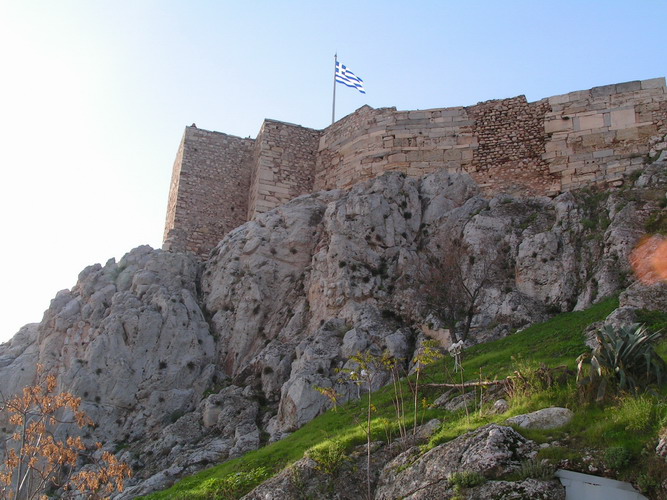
(547, 418)
(492, 450)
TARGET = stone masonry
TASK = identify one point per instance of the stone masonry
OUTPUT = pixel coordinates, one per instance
(208, 196)
(584, 138)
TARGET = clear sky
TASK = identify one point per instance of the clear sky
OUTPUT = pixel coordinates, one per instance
(95, 95)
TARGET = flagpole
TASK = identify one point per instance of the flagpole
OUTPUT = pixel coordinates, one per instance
(333, 108)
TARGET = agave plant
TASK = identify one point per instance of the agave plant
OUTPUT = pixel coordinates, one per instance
(626, 357)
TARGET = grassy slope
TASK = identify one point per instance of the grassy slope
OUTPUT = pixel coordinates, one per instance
(628, 423)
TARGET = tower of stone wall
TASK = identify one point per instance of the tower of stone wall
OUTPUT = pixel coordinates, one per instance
(208, 196)
(283, 165)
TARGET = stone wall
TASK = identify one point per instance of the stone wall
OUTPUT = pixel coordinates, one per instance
(208, 196)
(600, 135)
(509, 148)
(500, 143)
(594, 136)
(509, 145)
(283, 162)
(370, 142)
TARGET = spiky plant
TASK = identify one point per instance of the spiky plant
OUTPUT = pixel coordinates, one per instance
(625, 357)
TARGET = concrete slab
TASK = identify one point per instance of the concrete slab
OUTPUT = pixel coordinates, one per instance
(586, 487)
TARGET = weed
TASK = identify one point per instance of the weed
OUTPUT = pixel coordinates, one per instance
(656, 223)
(617, 457)
(329, 456)
(637, 414)
(534, 469)
(557, 342)
(237, 484)
(465, 479)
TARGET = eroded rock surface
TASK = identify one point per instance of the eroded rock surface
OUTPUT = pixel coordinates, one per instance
(546, 418)
(160, 346)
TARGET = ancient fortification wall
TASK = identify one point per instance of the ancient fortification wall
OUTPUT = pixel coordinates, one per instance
(583, 138)
(209, 190)
(282, 165)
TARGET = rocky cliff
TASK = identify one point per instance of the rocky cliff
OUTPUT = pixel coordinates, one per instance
(183, 363)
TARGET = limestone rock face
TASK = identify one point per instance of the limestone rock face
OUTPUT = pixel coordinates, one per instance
(530, 488)
(161, 347)
(113, 341)
(347, 481)
(129, 339)
(491, 451)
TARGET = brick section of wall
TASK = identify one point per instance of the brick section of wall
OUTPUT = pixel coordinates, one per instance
(209, 190)
(283, 165)
(510, 144)
(600, 135)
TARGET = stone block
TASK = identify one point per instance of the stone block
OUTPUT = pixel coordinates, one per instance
(603, 91)
(433, 155)
(622, 118)
(457, 112)
(559, 99)
(591, 141)
(654, 83)
(628, 87)
(585, 178)
(555, 146)
(264, 174)
(587, 168)
(579, 95)
(419, 115)
(605, 153)
(396, 157)
(646, 130)
(589, 122)
(554, 168)
(558, 124)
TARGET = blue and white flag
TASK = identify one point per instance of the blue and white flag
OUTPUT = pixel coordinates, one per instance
(346, 77)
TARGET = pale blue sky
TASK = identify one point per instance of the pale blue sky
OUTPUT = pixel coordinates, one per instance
(94, 96)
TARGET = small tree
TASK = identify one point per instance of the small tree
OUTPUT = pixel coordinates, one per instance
(429, 353)
(35, 460)
(393, 365)
(452, 283)
(369, 368)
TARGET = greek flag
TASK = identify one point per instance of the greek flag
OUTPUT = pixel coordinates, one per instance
(346, 77)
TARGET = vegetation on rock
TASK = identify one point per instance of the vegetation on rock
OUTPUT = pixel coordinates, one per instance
(38, 460)
(628, 422)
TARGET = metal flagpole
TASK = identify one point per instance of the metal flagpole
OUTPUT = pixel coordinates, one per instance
(333, 109)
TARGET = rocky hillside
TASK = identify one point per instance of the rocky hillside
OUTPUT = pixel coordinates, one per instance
(182, 363)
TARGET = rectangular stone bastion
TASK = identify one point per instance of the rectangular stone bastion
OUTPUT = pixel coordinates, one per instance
(583, 138)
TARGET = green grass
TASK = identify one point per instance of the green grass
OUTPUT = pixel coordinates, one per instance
(626, 423)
